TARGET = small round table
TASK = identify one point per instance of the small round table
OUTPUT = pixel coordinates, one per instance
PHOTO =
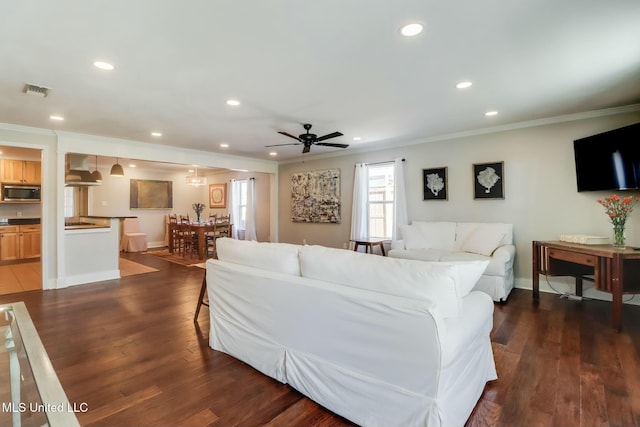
(369, 244)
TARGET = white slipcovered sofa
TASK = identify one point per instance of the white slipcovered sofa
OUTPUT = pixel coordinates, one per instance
(377, 340)
(463, 241)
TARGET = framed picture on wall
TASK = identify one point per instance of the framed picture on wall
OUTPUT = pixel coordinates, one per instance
(488, 180)
(150, 194)
(434, 184)
(218, 196)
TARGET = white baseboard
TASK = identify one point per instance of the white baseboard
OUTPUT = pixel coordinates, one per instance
(566, 285)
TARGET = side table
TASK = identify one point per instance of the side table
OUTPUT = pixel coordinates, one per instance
(369, 244)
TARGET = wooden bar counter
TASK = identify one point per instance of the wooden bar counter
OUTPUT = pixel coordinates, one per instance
(614, 270)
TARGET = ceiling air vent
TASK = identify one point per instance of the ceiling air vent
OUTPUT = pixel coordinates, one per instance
(36, 90)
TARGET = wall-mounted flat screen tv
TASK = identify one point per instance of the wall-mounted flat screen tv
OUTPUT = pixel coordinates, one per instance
(609, 160)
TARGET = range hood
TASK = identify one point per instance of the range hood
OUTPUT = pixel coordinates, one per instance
(78, 174)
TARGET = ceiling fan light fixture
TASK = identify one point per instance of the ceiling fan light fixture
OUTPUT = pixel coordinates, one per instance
(116, 169)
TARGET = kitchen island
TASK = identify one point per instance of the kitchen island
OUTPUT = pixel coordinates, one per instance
(92, 250)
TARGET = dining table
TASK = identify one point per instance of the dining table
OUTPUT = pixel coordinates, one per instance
(200, 230)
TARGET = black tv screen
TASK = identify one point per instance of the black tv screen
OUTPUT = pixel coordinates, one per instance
(609, 160)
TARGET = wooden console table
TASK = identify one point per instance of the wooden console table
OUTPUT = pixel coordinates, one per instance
(614, 270)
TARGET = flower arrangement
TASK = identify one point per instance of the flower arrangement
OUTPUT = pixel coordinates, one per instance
(198, 208)
(618, 209)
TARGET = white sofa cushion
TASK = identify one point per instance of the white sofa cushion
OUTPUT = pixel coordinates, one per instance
(469, 272)
(429, 235)
(483, 241)
(433, 282)
(465, 229)
(277, 257)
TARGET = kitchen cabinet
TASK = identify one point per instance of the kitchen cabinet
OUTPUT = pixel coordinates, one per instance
(29, 241)
(20, 172)
(9, 242)
(19, 242)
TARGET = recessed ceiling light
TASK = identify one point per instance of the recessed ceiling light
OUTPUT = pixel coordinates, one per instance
(103, 65)
(491, 113)
(131, 165)
(273, 153)
(57, 118)
(224, 145)
(411, 30)
(191, 170)
(157, 134)
(356, 138)
(233, 102)
(464, 85)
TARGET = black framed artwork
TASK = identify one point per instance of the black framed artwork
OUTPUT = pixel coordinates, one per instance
(488, 180)
(434, 184)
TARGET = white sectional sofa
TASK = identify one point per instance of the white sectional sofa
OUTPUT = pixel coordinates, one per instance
(442, 241)
(377, 340)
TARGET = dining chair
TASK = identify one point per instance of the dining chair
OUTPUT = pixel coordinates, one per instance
(223, 226)
(173, 231)
(185, 240)
(132, 239)
(210, 239)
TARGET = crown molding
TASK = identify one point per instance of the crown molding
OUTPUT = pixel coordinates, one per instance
(476, 132)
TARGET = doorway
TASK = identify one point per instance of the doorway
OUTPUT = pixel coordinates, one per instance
(20, 222)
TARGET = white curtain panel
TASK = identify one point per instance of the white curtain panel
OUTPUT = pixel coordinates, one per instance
(400, 216)
(234, 197)
(250, 220)
(359, 215)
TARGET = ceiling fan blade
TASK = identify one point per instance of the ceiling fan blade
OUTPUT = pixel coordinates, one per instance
(331, 135)
(306, 149)
(288, 134)
(331, 144)
(280, 145)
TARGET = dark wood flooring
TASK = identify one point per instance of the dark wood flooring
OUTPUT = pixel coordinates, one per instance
(130, 350)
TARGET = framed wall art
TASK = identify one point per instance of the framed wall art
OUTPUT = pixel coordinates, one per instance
(434, 184)
(488, 180)
(315, 196)
(218, 196)
(149, 194)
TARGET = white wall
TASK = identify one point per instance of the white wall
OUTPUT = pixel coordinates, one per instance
(539, 178)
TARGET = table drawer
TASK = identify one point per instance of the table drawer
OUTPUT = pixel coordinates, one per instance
(574, 257)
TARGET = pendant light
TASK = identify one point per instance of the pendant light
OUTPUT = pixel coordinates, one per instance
(196, 180)
(96, 175)
(116, 170)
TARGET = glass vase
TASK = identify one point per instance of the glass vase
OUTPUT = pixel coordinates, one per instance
(618, 236)
(197, 217)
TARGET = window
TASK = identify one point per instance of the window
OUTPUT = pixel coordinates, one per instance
(69, 205)
(242, 203)
(380, 200)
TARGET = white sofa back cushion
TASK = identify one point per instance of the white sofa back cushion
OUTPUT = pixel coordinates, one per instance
(434, 282)
(429, 235)
(277, 257)
(471, 233)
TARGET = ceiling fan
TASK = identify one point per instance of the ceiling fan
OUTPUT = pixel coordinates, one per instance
(309, 139)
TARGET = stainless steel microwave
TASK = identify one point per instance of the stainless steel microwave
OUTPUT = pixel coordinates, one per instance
(20, 193)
